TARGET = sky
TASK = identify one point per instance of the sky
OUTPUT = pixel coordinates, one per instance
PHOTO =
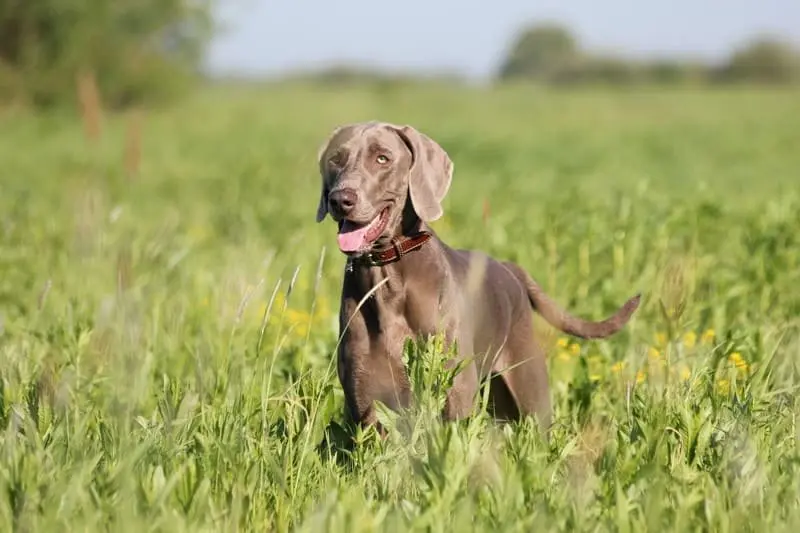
(470, 37)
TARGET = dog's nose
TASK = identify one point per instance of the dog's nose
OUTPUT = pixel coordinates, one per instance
(342, 201)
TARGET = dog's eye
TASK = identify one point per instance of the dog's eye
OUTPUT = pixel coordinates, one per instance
(382, 159)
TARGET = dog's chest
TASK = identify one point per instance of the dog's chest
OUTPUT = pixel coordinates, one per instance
(399, 318)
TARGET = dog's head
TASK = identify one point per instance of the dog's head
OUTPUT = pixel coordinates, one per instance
(379, 178)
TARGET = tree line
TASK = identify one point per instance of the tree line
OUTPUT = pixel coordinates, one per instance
(551, 54)
(152, 50)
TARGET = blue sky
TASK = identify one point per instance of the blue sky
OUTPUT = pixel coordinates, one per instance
(469, 37)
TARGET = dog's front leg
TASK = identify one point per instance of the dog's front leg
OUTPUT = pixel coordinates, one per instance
(368, 377)
(358, 400)
(461, 396)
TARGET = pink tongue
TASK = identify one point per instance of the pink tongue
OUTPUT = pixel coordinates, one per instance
(352, 240)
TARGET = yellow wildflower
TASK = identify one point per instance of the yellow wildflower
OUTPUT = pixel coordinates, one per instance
(574, 349)
(640, 375)
(562, 342)
(690, 339)
(685, 373)
(563, 356)
(707, 337)
(617, 367)
(299, 321)
(661, 339)
(738, 361)
(653, 353)
(295, 322)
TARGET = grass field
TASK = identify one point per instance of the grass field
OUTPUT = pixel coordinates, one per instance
(167, 317)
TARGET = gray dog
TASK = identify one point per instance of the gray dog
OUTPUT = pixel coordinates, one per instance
(383, 184)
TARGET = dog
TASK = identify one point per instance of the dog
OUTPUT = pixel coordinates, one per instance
(383, 184)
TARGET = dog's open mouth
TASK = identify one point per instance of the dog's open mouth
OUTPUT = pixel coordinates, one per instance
(354, 237)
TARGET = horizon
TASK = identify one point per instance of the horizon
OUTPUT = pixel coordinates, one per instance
(473, 45)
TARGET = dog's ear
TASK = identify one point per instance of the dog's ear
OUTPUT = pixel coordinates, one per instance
(322, 207)
(430, 175)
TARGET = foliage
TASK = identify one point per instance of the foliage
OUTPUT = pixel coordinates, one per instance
(550, 53)
(168, 325)
(765, 60)
(541, 53)
(137, 51)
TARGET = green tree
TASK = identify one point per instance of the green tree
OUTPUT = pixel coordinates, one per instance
(765, 60)
(137, 50)
(541, 53)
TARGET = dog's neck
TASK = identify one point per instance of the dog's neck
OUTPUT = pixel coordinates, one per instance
(389, 287)
(411, 235)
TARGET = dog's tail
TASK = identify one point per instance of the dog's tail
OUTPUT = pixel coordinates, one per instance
(570, 324)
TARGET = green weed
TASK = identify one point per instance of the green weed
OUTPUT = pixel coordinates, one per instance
(168, 336)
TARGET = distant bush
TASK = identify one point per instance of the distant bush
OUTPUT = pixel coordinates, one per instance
(600, 70)
(665, 71)
(136, 51)
(347, 76)
(765, 60)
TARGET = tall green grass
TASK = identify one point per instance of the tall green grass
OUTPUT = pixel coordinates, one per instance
(167, 326)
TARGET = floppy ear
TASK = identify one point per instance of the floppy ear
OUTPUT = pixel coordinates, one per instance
(322, 207)
(430, 175)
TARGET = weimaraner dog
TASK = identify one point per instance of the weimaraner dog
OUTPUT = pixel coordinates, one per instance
(383, 184)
